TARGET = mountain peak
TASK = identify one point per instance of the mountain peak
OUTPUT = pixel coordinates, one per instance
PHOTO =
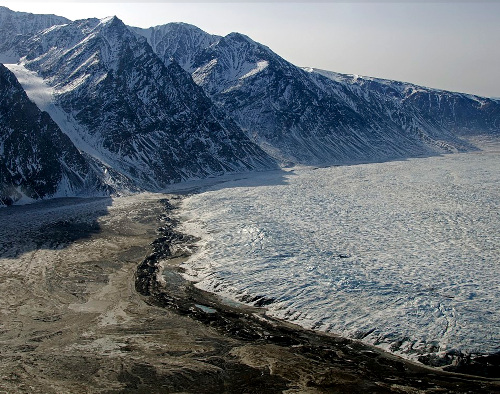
(109, 20)
(235, 39)
(177, 40)
(112, 22)
(182, 26)
(235, 36)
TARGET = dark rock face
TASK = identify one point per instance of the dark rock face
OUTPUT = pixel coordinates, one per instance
(36, 158)
(149, 121)
(318, 117)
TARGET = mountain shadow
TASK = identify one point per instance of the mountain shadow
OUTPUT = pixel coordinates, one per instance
(51, 224)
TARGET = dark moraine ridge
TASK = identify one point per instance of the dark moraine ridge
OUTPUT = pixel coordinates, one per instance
(334, 364)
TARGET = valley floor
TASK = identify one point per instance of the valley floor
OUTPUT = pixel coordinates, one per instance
(71, 320)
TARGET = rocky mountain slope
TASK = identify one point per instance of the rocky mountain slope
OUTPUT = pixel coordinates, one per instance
(26, 23)
(37, 160)
(463, 114)
(315, 117)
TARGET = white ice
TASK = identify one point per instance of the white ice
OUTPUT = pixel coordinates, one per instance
(404, 255)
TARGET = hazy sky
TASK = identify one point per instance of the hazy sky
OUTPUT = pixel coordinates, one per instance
(452, 45)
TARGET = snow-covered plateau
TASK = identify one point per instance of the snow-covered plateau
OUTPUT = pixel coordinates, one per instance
(404, 255)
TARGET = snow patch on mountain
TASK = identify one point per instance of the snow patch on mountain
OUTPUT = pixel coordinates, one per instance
(37, 160)
(35, 87)
(201, 73)
(261, 65)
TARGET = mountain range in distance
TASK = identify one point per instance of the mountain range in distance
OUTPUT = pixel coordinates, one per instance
(119, 109)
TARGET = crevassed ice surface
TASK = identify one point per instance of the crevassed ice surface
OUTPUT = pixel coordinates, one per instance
(419, 240)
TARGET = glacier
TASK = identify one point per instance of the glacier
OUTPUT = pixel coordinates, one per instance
(402, 255)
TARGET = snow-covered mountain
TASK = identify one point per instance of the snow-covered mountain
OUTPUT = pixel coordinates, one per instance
(26, 23)
(17, 26)
(148, 107)
(316, 117)
(37, 160)
(121, 105)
